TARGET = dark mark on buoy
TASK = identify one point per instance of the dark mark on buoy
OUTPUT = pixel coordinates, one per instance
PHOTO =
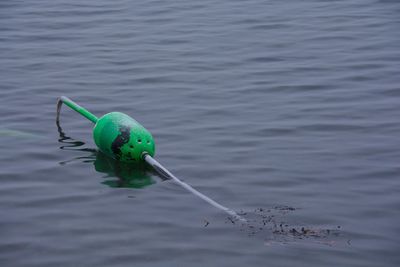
(120, 140)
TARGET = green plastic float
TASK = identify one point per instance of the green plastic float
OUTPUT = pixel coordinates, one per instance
(116, 134)
(121, 137)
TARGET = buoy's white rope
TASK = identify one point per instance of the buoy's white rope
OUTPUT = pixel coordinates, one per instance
(163, 171)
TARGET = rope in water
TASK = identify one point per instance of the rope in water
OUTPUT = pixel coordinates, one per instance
(163, 171)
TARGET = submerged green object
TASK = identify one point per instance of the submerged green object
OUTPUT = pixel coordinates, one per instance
(116, 134)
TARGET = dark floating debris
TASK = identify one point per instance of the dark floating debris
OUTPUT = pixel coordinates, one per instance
(269, 224)
(284, 208)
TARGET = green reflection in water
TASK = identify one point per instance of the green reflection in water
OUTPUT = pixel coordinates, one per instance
(122, 174)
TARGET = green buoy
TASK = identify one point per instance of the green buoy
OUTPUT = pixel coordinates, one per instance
(121, 137)
(116, 134)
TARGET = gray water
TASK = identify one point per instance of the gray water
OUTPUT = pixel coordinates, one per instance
(285, 111)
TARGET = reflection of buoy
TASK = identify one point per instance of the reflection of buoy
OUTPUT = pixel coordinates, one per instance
(122, 174)
(119, 136)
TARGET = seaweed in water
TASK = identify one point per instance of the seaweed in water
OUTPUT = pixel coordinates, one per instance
(269, 223)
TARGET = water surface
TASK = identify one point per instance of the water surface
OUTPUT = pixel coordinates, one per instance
(287, 109)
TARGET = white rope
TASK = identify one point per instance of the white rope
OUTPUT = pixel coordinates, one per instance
(163, 171)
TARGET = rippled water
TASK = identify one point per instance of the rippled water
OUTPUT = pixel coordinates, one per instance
(285, 111)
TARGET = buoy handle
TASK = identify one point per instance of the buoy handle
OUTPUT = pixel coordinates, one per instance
(81, 110)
